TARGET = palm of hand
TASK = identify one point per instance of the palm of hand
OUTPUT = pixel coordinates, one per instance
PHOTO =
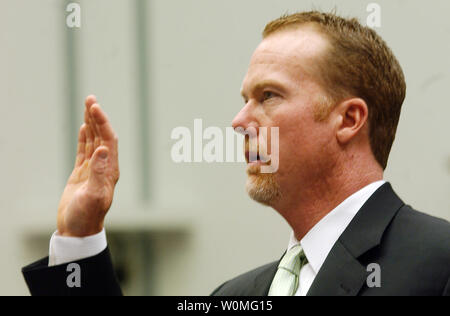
(89, 191)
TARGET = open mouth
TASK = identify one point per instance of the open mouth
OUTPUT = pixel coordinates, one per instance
(256, 158)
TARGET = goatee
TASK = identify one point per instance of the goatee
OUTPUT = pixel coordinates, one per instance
(262, 187)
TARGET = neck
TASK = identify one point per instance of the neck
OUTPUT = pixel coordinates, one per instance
(304, 209)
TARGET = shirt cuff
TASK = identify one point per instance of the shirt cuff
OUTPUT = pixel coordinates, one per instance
(69, 249)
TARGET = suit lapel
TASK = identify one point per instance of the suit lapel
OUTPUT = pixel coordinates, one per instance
(264, 280)
(342, 273)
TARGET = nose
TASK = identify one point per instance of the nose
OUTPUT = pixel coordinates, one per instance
(245, 118)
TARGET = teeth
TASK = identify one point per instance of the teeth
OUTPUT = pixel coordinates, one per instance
(264, 159)
(259, 157)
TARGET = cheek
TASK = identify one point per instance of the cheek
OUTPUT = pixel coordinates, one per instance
(302, 140)
(303, 143)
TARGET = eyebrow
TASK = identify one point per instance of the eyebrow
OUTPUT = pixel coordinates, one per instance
(262, 84)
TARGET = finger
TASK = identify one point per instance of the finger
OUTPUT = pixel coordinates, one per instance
(90, 99)
(89, 136)
(89, 102)
(81, 150)
(102, 123)
(98, 170)
(107, 134)
(94, 126)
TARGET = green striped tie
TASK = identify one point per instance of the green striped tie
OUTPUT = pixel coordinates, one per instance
(286, 280)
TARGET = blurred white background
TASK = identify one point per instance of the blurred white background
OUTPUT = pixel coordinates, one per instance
(181, 229)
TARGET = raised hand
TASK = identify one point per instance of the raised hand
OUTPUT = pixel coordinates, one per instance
(89, 191)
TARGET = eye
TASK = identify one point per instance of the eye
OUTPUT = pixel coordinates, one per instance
(268, 95)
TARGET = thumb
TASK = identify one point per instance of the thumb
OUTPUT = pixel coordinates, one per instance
(99, 163)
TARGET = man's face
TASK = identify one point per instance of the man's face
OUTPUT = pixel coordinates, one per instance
(279, 91)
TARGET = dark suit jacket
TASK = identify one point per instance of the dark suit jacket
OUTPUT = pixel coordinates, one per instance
(412, 250)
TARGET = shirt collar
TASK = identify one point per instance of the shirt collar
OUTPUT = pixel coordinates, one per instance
(320, 239)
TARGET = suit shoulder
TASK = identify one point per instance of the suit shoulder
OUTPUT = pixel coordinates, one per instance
(416, 230)
(244, 284)
(425, 226)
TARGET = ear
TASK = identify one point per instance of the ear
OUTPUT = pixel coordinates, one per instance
(352, 115)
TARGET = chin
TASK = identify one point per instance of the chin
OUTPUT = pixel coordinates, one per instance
(262, 187)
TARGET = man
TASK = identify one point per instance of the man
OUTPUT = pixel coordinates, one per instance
(334, 89)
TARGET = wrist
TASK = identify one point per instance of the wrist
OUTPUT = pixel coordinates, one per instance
(80, 233)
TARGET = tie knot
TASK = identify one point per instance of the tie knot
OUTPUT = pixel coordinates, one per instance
(286, 280)
(293, 260)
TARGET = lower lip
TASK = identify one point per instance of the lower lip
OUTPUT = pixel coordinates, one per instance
(258, 162)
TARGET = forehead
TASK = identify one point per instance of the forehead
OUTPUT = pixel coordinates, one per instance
(286, 55)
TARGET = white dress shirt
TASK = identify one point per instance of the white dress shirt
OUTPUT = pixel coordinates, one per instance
(70, 249)
(317, 243)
